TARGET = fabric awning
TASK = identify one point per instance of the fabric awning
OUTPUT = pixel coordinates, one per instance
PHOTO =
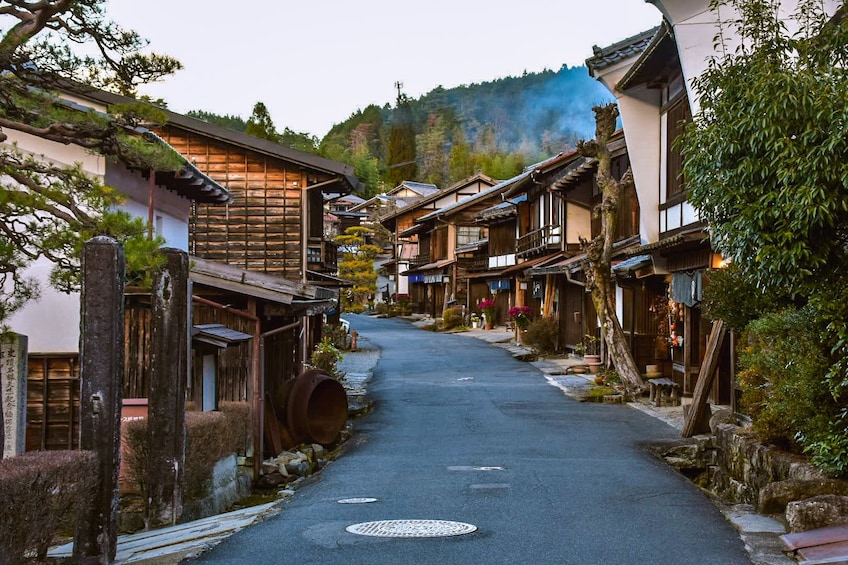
(500, 284)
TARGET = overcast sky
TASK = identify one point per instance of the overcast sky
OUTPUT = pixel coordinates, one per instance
(314, 63)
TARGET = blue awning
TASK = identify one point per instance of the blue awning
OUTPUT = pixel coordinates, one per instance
(416, 278)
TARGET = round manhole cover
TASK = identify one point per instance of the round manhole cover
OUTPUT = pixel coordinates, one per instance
(361, 500)
(411, 528)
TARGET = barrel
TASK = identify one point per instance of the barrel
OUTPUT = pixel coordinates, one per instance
(317, 408)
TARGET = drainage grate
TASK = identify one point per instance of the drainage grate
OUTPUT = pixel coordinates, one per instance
(411, 528)
(356, 500)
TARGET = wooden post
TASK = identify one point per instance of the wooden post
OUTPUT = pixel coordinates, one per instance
(13, 394)
(167, 396)
(101, 372)
(695, 417)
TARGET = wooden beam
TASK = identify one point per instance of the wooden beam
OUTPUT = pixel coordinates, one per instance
(705, 380)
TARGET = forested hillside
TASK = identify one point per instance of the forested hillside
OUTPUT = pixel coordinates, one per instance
(496, 127)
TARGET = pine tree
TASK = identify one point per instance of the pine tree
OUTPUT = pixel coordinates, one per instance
(261, 125)
(401, 160)
(46, 209)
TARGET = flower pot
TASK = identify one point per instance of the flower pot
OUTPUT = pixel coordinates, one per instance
(593, 362)
(488, 325)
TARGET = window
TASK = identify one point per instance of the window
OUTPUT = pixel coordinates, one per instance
(678, 115)
(469, 234)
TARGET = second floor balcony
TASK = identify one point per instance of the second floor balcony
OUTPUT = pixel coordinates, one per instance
(538, 241)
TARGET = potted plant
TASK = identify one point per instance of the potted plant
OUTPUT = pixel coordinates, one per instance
(475, 321)
(403, 304)
(489, 310)
(521, 316)
(592, 356)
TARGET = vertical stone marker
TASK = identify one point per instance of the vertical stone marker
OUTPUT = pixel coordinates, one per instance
(13, 394)
(166, 402)
(101, 372)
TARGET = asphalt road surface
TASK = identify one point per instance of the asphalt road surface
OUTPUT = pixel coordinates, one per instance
(463, 432)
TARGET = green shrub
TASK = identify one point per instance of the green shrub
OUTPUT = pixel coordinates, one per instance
(784, 391)
(41, 492)
(730, 296)
(210, 436)
(543, 335)
(326, 358)
(452, 318)
(382, 308)
(336, 334)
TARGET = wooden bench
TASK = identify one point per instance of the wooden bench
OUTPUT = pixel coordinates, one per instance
(664, 389)
(823, 545)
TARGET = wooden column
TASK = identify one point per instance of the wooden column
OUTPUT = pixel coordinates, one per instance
(167, 397)
(101, 372)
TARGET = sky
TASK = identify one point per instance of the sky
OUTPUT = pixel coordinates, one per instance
(314, 63)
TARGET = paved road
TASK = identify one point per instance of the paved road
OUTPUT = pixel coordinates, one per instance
(568, 482)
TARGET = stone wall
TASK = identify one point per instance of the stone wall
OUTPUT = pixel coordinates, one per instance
(743, 466)
(229, 484)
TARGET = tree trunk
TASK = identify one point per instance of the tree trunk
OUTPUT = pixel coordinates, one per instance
(599, 250)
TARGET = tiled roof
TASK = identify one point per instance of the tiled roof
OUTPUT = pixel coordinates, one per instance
(617, 52)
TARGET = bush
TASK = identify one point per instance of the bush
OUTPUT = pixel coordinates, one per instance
(784, 391)
(41, 491)
(336, 334)
(730, 296)
(326, 358)
(543, 335)
(210, 436)
(452, 318)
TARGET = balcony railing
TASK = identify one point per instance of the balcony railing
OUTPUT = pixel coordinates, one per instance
(418, 260)
(537, 241)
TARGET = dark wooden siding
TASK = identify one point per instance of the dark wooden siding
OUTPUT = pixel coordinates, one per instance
(52, 403)
(261, 228)
(137, 330)
(501, 239)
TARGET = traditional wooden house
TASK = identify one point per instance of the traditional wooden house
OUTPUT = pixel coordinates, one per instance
(665, 271)
(410, 253)
(52, 323)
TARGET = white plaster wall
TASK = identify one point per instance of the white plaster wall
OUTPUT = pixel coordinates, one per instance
(695, 27)
(51, 322)
(639, 109)
(578, 222)
(59, 153)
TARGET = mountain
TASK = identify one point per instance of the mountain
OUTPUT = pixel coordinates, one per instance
(497, 127)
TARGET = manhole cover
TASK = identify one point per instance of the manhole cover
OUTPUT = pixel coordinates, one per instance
(411, 528)
(356, 500)
(473, 468)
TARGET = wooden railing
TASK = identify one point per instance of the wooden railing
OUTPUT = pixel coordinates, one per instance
(420, 259)
(537, 240)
